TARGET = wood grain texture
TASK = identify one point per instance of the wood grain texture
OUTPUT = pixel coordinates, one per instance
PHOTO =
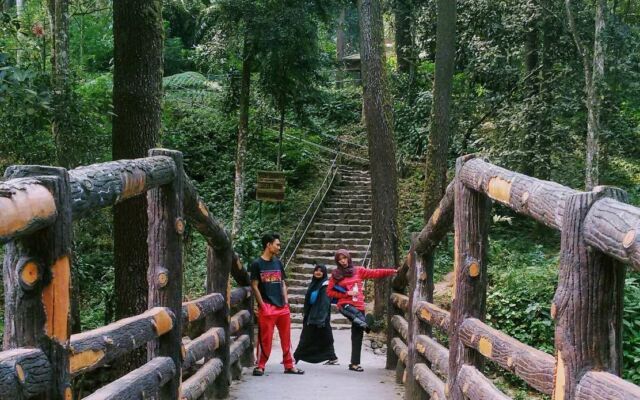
(24, 373)
(604, 386)
(140, 384)
(471, 223)
(164, 208)
(435, 353)
(587, 306)
(432, 385)
(476, 386)
(533, 366)
(203, 346)
(201, 381)
(200, 308)
(433, 315)
(95, 348)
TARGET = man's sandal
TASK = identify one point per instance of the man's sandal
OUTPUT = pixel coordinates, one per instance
(356, 368)
(258, 371)
(332, 362)
(294, 371)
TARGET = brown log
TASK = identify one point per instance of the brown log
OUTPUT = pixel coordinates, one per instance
(438, 225)
(205, 344)
(432, 385)
(101, 185)
(218, 266)
(24, 373)
(198, 309)
(400, 349)
(201, 381)
(433, 315)
(95, 348)
(533, 366)
(544, 201)
(25, 207)
(613, 227)
(420, 288)
(587, 306)
(400, 301)
(37, 275)
(140, 384)
(604, 386)
(238, 295)
(400, 325)
(476, 386)
(238, 348)
(471, 222)
(238, 321)
(238, 272)
(164, 208)
(435, 353)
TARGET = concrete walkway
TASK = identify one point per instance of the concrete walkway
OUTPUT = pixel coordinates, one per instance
(326, 382)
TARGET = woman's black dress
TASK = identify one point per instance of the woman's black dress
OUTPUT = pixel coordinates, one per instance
(316, 339)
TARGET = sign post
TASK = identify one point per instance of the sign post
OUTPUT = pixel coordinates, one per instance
(270, 187)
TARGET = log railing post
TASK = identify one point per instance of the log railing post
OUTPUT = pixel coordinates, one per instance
(587, 306)
(248, 359)
(166, 227)
(471, 223)
(218, 269)
(37, 277)
(420, 288)
(393, 361)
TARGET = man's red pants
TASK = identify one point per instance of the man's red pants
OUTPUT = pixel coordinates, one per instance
(270, 316)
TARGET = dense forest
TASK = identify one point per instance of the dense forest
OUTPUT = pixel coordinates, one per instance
(546, 88)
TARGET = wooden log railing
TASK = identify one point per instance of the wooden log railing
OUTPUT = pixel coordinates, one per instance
(37, 208)
(599, 232)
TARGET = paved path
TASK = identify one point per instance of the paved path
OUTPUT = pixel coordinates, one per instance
(326, 382)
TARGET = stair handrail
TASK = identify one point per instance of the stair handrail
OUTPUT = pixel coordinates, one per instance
(329, 177)
(365, 262)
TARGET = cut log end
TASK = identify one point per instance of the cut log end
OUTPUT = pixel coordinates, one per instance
(29, 274)
(162, 322)
(629, 239)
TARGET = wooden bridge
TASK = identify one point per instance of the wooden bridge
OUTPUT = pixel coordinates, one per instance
(37, 208)
(39, 204)
(599, 234)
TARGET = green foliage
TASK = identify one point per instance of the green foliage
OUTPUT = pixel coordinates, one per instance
(631, 328)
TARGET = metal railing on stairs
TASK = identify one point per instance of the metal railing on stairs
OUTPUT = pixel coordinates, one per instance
(307, 219)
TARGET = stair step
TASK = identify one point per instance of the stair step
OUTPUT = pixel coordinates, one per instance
(333, 247)
(349, 206)
(339, 234)
(339, 243)
(347, 201)
(347, 214)
(341, 227)
(349, 221)
(321, 260)
(329, 253)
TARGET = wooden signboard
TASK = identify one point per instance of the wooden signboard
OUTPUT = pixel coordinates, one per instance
(270, 186)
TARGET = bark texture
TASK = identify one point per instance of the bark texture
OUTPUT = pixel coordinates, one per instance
(137, 95)
(379, 124)
(432, 385)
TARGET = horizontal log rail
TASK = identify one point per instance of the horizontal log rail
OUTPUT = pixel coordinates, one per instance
(238, 321)
(605, 386)
(400, 348)
(534, 366)
(429, 381)
(142, 383)
(610, 225)
(433, 315)
(476, 386)
(238, 295)
(401, 326)
(201, 381)
(201, 346)
(200, 308)
(24, 373)
(400, 300)
(95, 348)
(435, 353)
(238, 347)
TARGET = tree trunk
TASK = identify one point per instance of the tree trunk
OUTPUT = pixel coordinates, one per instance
(382, 149)
(404, 41)
(137, 91)
(532, 128)
(340, 47)
(438, 147)
(594, 79)
(279, 161)
(543, 140)
(243, 132)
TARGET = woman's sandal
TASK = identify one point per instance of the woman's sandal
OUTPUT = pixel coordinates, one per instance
(355, 368)
(258, 371)
(332, 362)
(294, 371)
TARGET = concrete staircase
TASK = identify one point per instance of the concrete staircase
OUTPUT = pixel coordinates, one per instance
(344, 221)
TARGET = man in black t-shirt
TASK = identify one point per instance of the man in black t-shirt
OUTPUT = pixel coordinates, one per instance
(270, 291)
